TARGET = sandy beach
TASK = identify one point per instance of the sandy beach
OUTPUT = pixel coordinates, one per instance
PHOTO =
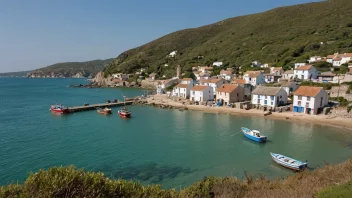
(325, 120)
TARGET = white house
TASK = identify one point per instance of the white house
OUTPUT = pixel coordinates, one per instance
(205, 69)
(215, 83)
(309, 100)
(266, 65)
(167, 83)
(339, 59)
(306, 72)
(299, 64)
(201, 75)
(269, 96)
(173, 54)
(183, 89)
(289, 74)
(328, 77)
(226, 74)
(277, 71)
(314, 59)
(201, 93)
(256, 64)
(120, 76)
(217, 64)
(254, 78)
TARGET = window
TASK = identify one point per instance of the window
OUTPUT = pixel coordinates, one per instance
(258, 101)
(299, 97)
(194, 92)
(308, 98)
(209, 91)
(307, 104)
(237, 94)
(299, 103)
(272, 97)
(280, 97)
(272, 103)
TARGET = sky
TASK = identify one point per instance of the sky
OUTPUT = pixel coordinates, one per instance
(38, 33)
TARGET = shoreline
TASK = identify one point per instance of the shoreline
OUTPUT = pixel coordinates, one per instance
(322, 120)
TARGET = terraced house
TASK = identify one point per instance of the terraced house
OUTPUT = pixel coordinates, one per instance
(254, 78)
(269, 96)
(306, 72)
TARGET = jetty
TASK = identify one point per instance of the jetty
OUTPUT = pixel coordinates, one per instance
(95, 106)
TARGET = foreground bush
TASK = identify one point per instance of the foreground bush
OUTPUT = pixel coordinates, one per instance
(329, 181)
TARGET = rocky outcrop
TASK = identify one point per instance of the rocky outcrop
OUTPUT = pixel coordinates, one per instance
(163, 106)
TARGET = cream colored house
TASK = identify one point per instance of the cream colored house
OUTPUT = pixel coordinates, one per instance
(230, 93)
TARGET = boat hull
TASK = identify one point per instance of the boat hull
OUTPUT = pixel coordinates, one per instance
(261, 139)
(288, 165)
(124, 115)
(63, 111)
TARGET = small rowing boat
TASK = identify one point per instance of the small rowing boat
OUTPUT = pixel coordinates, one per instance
(288, 162)
(253, 135)
(104, 111)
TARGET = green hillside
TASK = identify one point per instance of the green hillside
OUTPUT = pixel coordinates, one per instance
(69, 69)
(280, 36)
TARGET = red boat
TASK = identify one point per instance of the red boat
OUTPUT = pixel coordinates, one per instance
(59, 109)
(124, 113)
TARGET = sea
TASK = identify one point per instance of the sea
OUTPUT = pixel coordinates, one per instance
(156, 146)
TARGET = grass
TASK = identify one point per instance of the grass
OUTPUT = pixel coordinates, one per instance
(280, 37)
(337, 191)
(327, 181)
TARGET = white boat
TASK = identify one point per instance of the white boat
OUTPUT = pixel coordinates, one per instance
(288, 162)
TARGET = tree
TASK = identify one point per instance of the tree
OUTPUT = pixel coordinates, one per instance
(190, 75)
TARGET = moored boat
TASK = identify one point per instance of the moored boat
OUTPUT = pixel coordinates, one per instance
(104, 111)
(288, 162)
(253, 135)
(59, 109)
(124, 113)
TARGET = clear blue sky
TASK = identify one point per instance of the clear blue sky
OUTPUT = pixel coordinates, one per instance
(37, 33)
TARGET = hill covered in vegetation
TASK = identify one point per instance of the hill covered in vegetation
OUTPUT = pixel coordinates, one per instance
(280, 36)
(70, 69)
(328, 181)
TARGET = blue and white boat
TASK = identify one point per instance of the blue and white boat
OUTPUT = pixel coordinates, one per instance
(288, 162)
(253, 135)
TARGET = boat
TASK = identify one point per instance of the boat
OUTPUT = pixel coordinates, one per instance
(59, 109)
(104, 111)
(253, 135)
(124, 112)
(288, 162)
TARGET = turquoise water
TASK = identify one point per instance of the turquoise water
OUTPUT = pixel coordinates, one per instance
(163, 146)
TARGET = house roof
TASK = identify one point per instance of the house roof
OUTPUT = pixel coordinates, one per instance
(239, 81)
(305, 67)
(337, 59)
(327, 74)
(289, 72)
(152, 74)
(199, 88)
(213, 80)
(187, 79)
(253, 74)
(277, 68)
(308, 91)
(227, 88)
(266, 91)
(330, 56)
(182, 85)
(286, 83)
(206, 67)
(347, 55)
(226, 72)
